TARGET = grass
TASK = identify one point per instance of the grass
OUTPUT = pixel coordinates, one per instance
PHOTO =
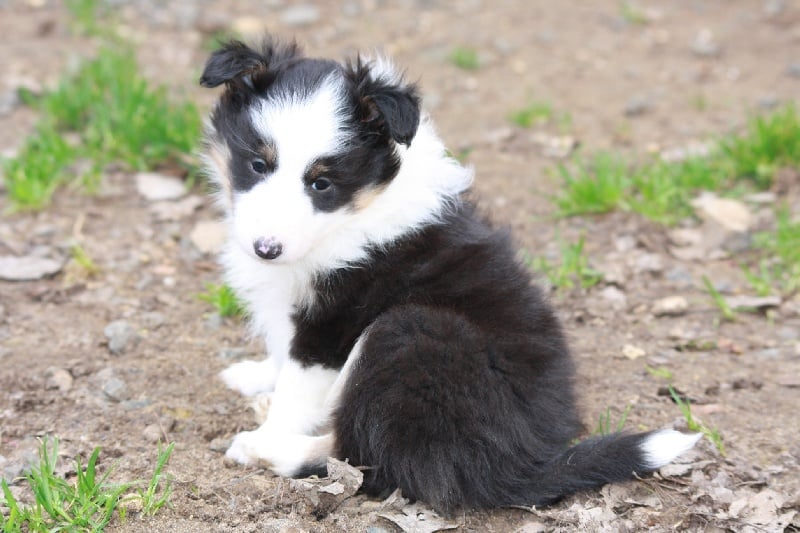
(88, 503)
(632, 14)
(103, 112)
(661, 372)
(726, 310)
(771, 142)
(83, 261)
(572, 270)
(693, 424)
(465, 58)
(780, 270)
(662, 191)
(595, 186)
(604, 426)
(532, 114)
(223, 299)
(89, 17)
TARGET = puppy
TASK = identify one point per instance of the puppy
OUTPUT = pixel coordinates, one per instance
(402, 333)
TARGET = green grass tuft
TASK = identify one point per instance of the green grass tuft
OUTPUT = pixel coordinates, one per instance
(780, 269)
(110, 114)
(771, 142)
(693, 424)
(465, 58)
(573, 268)
(604, 424)
(597, 186)
(532, 114)
(89, 17)
(223, 299)
(662, 191)
(726, 310)
(88, 503)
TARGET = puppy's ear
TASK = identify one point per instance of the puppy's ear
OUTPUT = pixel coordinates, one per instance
(385, 102)
(237, 64)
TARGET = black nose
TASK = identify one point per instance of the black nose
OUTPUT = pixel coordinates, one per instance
(267, 248)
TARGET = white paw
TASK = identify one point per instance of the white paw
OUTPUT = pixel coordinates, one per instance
(244, 448)
(250, 377)
(285, 454)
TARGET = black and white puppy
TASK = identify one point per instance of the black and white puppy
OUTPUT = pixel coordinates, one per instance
(401, 332)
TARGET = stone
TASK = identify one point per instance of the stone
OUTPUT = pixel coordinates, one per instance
(300, 15)
(632, 352)
(156, 187)
(121, 336)
(153, 320)
(615, 297)
(740, 302)
(115, 389)
(732, 215)
(58, 378)
(704, 44)
(248, 26)
(638, 105)
(28, 267)
(168, 211)
(670, 306)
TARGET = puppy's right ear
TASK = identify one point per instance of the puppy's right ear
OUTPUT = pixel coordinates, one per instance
(237, 62)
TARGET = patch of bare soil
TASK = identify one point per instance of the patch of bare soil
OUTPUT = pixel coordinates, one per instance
(663, 76)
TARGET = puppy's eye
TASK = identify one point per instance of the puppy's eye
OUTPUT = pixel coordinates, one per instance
(259, 166)
(320, 184)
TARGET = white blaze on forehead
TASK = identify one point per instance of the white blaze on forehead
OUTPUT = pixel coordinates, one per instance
(303, 127)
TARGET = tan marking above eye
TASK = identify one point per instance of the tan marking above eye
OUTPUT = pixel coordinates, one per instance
(317, 170)
(270, 154)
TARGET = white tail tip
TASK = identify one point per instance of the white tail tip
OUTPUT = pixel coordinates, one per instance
(664, 446)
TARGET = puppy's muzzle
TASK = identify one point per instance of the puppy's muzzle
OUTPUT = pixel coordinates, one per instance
(267, 248)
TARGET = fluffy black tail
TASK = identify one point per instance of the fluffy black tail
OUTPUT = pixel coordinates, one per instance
(600, 460)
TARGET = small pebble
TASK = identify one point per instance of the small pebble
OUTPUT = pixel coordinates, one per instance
(670, 306)
(638, 105)
(300, 15)
(632, 352)
(153, 320)
(156, 187)
(58, 378)
(233, 353)
(704, 44)
(219, 444)
(116, 390)
(121, 336)
(152, 433)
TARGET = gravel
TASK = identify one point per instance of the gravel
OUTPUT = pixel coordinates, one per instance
(122, 336)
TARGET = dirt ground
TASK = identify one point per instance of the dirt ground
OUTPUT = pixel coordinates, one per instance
(650, 77)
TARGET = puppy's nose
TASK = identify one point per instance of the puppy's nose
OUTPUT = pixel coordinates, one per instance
(267, 248)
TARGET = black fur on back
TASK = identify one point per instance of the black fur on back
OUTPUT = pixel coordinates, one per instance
(463, 395)
(465, 382)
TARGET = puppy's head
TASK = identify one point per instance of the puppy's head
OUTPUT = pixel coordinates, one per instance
(299, 146)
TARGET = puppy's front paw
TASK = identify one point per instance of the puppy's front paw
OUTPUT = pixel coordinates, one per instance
(244, 448)
(250, 377)
(283, 453)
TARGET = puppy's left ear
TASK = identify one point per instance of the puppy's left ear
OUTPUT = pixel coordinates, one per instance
(386, 102)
